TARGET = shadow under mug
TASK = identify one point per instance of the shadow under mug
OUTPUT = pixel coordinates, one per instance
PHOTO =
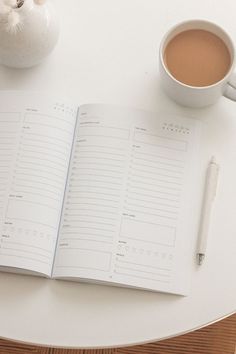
(192, 96)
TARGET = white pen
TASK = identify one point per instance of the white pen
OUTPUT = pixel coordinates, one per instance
(208, 198)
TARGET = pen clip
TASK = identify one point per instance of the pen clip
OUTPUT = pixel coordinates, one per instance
(215, 184)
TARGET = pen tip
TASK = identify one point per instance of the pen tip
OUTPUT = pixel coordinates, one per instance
(201, 257)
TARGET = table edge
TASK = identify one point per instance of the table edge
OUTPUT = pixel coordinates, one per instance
(129, 344)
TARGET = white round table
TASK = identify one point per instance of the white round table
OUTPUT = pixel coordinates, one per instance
(107, 53)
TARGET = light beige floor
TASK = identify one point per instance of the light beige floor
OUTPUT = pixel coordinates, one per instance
(219, 338)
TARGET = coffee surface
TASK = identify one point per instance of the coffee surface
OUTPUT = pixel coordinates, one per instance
(197, 58)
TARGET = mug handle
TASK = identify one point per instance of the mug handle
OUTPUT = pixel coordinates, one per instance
(230, 89)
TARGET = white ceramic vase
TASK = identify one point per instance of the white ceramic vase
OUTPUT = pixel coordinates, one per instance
(34, 38)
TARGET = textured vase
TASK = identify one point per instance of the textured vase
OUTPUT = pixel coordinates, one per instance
(35, 37)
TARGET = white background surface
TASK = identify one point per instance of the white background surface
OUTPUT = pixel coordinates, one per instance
(107, 53)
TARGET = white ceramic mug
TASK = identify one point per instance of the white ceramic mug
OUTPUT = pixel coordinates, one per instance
(192, 96)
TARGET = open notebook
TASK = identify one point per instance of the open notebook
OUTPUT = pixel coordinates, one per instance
(97, 192)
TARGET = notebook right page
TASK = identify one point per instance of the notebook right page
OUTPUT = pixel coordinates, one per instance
(129, 207)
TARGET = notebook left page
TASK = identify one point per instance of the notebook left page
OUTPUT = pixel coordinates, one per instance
(36, 135)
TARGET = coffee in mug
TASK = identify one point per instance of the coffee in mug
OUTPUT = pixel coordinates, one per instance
(196, 61)
(197, 57)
